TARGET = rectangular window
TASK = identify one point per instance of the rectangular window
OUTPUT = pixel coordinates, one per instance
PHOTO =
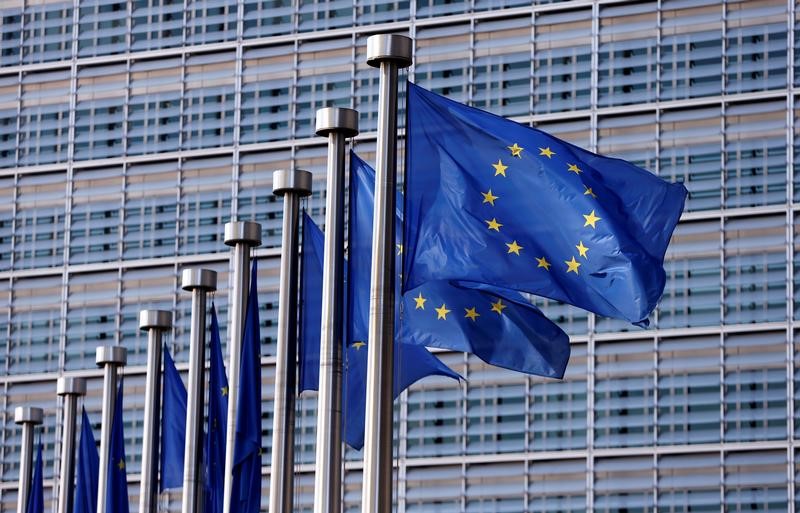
(624, 483)
(205, 205)
(8, 119)
(267, 88)
(102, 29)
(210, 21)
(689, 482)
(755, 481)
(755, 57)
(371, 12)
(6, 226)
(35, 325)
(154, 106)
(323, 15)
(324, 80)
(255, 171)
(267, 17)
(47, 34)
(91, 316)
(144, 288)
(496, 487)
(434, 488)
(151, 206)
(442, 61)
(156, 24)
(39, 221)
(10, 35)
(96, 209)
(557, 485)
(208, 101)
(99, 111)
(44, 118)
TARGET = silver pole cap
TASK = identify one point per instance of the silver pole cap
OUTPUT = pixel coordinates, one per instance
(111, 355)
(196, 278)
(388, 47)
(155, 319)
(71, 386)
(337, 119)
(296, 180)
(28, 415)
(244, 232)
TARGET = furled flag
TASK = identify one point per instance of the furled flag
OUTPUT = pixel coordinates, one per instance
(491, 201)
(247, 450)
(173, 425)
(498, 325)
(36, 496)
(217, 419)
(88, 470)
(411, 363)
(117, 492)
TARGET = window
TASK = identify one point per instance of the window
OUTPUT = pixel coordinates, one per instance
(35, 325)
(39, 221)
(755, 57)
(102, 28)
(91, 316)
(210, 21)
(96, 208)
(47, 34)
(442, 60)
(502, 66)
(99, 111)
(205, 205)
(44, 118)
(151, 207)
(267, 94)
(208, 101)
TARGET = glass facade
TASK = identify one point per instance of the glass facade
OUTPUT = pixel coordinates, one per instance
(131, 131)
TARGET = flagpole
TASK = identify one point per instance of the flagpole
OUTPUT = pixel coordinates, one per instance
(199, 282)
(155, 322)
(110, 358)
(336, 124)
(70, 389)
(28, 417)
(242, 235)
(292, 185)
(388, 52)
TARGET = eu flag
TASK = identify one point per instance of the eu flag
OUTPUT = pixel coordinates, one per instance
(411, 363)
(173, 425)
(247, 449)
(217, 418)
(87, 471)
(492, 201)
(498, 325)
(35, 502)
(117, 493)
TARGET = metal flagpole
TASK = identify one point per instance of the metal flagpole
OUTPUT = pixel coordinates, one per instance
(337, 124)
(110, 358)
(292, 185)
(200, 282)
(28, 417)
(242, 235)
(389, 53)
(70, 389)
(155, 322)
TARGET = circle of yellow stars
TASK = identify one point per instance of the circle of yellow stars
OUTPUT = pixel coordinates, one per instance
(590, 220)
(469, 313)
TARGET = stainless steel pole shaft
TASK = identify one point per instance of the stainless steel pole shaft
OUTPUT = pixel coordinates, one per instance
(242, 235)
(70, 389)
(291, 185)
(155, 322)
(111, 358)
(200, 282)
(28, 417)
(337, 124)
(389, 53)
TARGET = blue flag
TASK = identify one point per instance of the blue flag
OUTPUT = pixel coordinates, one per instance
(173, 425)
(36, 496)
(87, 470)
(492, 201)
(217, 423)
(498, 325)
(411, 364)
(247, 450)
(117, 492)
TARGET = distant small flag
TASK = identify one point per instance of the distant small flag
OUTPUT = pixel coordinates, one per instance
(117, 493)
(88, 469)
(36, 495)
(173, 425)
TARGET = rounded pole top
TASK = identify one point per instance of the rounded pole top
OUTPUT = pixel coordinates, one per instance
(197, 278)
(67, 385)
(28, 415)
(389, 47)
(244, 232)
(295, 180)
(337, 120)
(111, 355)
(155, 319)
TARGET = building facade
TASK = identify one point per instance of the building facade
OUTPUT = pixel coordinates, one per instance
(130, 132)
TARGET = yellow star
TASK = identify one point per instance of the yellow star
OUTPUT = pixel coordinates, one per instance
(572, 265)
(499, 168)
(420, 302)
(472, 314)
(121, 465)
(575, 169)
(489, 198)
(399, 249)
(582, 249)
(358, 344)
(493, 224)
(547, 152)
(498, 307)
(516, 150)
(589, 192)
(224, 391)
(441, 312)
(543, 263)
(591, 219)
(514, 247)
